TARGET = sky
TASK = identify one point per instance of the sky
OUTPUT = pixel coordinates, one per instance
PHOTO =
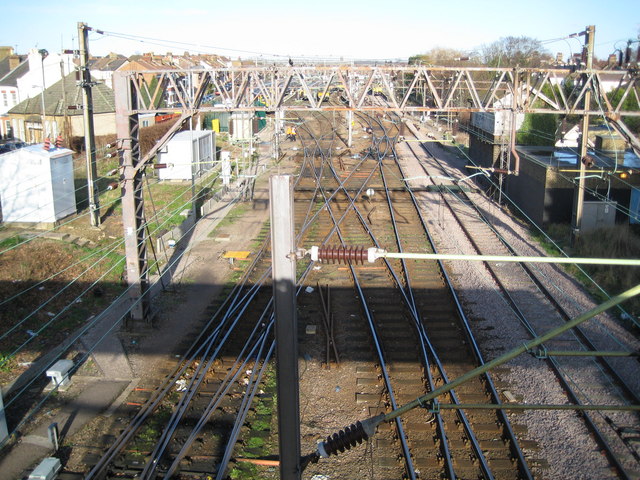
(330, 29)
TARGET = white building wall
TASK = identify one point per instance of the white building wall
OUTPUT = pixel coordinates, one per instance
(188, 154)
(30, 84)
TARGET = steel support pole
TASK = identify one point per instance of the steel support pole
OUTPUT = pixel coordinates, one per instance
(276, 134)
(578, 197)
(350, 127)
(89, 139)
(283, 264)
(4, 431)
(135, 240)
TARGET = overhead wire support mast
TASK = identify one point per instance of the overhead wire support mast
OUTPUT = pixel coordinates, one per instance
(87, 112)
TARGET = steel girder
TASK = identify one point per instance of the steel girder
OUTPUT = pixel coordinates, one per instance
(406, 88)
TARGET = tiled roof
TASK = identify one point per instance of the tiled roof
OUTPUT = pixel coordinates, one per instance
(11, 79)
(111, 62)
(103, 99)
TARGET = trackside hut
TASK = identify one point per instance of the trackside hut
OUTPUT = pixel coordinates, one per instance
(36, 185)
(187, 155)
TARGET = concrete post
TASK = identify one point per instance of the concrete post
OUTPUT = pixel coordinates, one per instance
(284, 282)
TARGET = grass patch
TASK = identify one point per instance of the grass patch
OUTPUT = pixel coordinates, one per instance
(255, 442)
(617, 242)
(42, 315)
(244, 471)
(10, 242)
(148, 435)
(238, 211)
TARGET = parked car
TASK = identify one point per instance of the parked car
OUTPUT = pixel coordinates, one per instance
(11, 146)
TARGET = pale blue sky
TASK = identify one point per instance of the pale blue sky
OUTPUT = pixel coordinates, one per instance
(331, 28)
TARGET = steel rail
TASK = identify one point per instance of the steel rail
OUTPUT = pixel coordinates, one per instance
(244, 410)
(408, 303)
(399, 283)
(231, 303)
(446, 451)
(515, 444)
(380, 354)
(168, 432)
(582, 335)
(150, 406)
(464, 420)
(516, 450)
(470, 434)
(336, 229)
(218, 396)
(204, 365)
(401, 435)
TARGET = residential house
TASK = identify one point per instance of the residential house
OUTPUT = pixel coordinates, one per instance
(63, 112)
(102, 68)
(11, 68)
(24, 77)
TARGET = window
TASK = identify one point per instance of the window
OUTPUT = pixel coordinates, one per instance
(5, 99)
(14, 98)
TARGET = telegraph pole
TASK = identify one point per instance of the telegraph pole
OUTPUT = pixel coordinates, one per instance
(578, 197)
(89, 140)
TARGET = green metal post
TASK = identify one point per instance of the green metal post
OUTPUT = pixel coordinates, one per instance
(584, 353)
(424, 399)
(529, 406)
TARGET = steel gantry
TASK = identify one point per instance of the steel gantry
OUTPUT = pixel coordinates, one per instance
(406, 88)
(285, 88)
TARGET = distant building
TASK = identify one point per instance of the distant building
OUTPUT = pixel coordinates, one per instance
(12, 67)
(102, 68)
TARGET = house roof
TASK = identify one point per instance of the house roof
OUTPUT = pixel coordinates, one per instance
(151, 62)
(103, 99)
(10, 78)
(111, 62)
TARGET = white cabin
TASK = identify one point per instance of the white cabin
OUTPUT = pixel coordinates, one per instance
(36, 185)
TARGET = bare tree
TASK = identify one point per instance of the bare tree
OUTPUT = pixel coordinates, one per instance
(515, 51)
(442, 56)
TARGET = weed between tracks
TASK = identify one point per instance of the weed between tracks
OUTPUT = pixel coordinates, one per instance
(256, 440)
(147, 436)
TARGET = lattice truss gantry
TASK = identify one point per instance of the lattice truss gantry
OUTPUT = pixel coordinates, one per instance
(406, 89)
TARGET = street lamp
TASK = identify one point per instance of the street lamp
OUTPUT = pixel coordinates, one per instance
(43, 54)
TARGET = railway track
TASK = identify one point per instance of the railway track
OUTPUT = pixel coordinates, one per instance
(398, 305)
(389, 332)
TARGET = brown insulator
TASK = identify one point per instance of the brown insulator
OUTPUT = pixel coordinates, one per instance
(340, 254)
(345, 439)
